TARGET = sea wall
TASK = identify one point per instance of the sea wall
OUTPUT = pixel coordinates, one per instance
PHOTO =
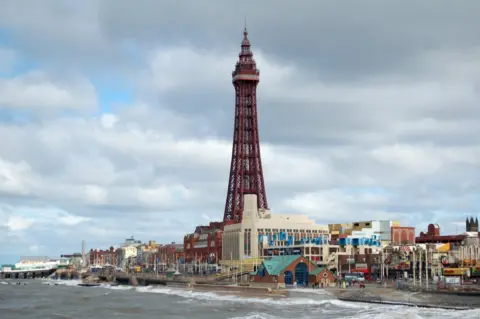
(445, 300)
(196, 285)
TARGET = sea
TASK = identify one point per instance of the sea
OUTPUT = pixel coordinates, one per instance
(64, 299)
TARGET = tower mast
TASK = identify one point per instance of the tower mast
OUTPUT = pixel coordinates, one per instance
(246, 173)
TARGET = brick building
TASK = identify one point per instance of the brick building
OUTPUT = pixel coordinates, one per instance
(99, 257)
(321, 276)
(287, 270)
(403, 235)
(432, 236)
(369, 261)
(204, 245)
(171, 254)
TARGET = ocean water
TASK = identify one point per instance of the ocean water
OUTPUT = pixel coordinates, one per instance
(43, 299)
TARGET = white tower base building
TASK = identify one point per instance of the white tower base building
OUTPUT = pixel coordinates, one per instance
(241, 241)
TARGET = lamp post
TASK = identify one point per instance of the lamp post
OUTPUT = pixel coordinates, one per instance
(382, 263)
(420, 265)
(414, 266)
(426, 265)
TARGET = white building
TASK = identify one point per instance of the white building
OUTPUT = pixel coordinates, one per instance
(41, 263)
(132, 242)
(126, 252)
(260, 228)
(379, 230)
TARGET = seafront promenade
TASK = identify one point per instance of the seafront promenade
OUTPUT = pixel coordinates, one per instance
(390, 294)
(372, 293)
(201, 283)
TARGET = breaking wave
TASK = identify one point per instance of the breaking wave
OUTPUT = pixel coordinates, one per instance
(212, 296)
(318, 301)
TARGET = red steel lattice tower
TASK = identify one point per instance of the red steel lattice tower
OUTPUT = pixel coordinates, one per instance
(246, 174)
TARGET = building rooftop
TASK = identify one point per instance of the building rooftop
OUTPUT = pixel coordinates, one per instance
(277, 264)
(316, 271)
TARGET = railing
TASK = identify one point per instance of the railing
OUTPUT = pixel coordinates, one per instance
(434, 286)
(232, 274)
(28, 270)
(249, 261)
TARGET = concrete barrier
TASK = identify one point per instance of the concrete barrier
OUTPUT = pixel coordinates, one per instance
(191, 284)
(416, 304)
(133, 281)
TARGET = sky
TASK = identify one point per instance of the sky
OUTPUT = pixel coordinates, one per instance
(116, 116)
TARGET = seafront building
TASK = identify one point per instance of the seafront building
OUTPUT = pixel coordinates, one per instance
(261, 231)
(170, 254)
(100, 257)
(251, 235)
(36, 263)
(250, 232)
(364, 229)
(125, 254)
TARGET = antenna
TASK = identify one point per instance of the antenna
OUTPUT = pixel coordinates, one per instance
(245, 21)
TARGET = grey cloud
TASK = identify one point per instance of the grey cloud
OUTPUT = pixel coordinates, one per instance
(365, 109)
(340, 42)
(343, 41)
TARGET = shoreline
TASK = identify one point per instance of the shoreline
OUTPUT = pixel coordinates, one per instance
(191, 285)
(392, 296)
(406, 304)
(370, 294)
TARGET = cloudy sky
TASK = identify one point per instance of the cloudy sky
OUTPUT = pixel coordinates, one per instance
(116, 116)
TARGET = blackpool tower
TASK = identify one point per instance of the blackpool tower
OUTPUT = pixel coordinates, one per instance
(246, 174)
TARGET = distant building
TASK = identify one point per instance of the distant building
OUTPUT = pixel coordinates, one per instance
(132, 242)
(370, 229)
(471, 225)
(124, 254)
(33, 259)
(260, 229)
(289, 270)
(204, 245)
(32, 263)
(99, 257)
(432, 236)
(321, 276)
(402, 235)
(171, 254)
(74, 259)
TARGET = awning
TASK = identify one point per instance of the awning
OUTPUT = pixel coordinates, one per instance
(444, 248)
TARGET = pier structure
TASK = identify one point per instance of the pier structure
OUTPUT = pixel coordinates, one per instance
(33, 273)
